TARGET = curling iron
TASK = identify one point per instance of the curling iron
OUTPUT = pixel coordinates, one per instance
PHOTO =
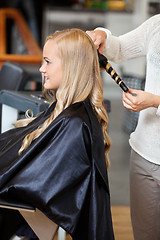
(107, 66)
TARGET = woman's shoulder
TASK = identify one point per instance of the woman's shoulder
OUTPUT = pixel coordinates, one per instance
(81, 116)
(77, 113)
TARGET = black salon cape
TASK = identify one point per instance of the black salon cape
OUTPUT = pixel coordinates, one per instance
(63, 172)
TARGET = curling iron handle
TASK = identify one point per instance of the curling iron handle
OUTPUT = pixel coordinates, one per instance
(107, 66)
(124, 87)
(116, 77)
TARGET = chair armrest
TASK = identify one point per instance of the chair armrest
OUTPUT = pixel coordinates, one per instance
(15, 205)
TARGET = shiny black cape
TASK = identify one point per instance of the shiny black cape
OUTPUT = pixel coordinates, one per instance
(63, 172)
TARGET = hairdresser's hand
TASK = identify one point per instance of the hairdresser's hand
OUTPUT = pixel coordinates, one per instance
(137, 100)
(99, 38)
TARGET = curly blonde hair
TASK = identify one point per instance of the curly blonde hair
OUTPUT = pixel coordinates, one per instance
(81, 80)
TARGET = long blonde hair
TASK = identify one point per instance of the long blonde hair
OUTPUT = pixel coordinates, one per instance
(81, 80)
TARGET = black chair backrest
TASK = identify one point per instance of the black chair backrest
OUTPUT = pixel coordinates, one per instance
(11, 77)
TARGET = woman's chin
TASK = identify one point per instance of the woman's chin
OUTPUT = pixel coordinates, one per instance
(46, 86)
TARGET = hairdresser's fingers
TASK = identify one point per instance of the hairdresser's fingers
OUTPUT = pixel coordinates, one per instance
(131, 95)
(102, 47)
(133, 91)
(127, 103)
(126, 98)
(98, 37)
(92, 35)
(136, 99)
(141, 99)
(128, 106)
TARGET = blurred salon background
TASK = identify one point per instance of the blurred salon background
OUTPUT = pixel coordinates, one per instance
(44, 17)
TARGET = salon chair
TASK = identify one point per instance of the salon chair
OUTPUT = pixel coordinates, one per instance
(43, 227)
(12, 77)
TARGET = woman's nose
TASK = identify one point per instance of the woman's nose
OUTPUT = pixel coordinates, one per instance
(42, 69)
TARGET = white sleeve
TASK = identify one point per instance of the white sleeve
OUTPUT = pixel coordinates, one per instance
(133, 44)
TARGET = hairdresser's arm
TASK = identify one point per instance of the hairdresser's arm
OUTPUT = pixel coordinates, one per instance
(130, 45)
(137, 100)
(119, 49)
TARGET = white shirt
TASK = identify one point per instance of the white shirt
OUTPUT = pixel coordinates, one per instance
(144, 40)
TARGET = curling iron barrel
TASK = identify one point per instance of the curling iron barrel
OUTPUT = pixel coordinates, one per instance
(107, 66)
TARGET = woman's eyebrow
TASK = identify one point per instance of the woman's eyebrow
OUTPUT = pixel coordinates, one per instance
(46, 58)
